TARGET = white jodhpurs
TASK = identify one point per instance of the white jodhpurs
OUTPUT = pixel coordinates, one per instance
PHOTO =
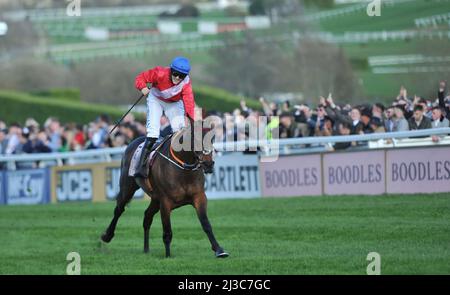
(173, 110)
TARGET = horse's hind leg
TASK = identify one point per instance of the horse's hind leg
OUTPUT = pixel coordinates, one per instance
(152, 209)
(127, 189)
(200, 204)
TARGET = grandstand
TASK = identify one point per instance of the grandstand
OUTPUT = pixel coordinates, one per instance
(403, 27)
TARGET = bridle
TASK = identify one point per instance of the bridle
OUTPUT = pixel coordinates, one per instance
(204, 153)
(198, 157)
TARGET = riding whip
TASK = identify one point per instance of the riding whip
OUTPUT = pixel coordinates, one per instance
(118, 122)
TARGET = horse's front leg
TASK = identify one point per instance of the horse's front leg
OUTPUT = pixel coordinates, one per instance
(165, 210)
(152, 209)
(200, 204)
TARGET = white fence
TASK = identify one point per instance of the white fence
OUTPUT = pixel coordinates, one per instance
(410, 63)
(364, 37)
(322, 144)
(187, 42)
(194, 42)
(59, 159)
(270, 148)
(407, 59)
(361, 6)
(135, 11)
(432, 21)
(407, 70)
(350, 9)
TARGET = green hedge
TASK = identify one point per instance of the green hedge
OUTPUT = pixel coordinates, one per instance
(211, 98)
(66, 105)
(18, 106)
(71, 94)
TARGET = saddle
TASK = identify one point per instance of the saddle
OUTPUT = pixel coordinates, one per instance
(137, 154)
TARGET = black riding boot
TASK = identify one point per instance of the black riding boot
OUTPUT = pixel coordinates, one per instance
(146, 149)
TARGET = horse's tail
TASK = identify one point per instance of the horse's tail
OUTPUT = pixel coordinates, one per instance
(128, 185)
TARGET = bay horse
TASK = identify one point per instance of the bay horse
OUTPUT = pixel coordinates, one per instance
(176, 179)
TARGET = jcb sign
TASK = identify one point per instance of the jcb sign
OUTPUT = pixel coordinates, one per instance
(112, 184)
(74, 185)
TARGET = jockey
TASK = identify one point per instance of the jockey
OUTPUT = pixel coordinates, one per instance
(171, 92)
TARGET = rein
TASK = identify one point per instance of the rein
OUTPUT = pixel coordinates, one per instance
(180, 163)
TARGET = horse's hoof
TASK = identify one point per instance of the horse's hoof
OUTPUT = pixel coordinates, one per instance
(146, 251)
(107, 238)
(221, 254)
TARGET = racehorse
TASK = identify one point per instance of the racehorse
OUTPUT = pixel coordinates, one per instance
(176, 179)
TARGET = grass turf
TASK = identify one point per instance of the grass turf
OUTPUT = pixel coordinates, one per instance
(317, 235)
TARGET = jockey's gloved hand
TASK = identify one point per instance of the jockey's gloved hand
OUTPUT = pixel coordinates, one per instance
(145, 91)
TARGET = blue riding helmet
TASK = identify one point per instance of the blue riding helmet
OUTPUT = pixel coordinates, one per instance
(181, 64)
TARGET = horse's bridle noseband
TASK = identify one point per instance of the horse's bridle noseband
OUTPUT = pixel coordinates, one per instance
(204, 153)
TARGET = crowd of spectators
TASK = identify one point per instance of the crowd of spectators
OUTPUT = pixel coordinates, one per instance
(328, 118)
(56, 137)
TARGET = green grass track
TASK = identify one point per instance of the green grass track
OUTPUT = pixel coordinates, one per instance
(311, 235)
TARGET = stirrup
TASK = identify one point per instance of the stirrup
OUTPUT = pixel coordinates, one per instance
(142, 170)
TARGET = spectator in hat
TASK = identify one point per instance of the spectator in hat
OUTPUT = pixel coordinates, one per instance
(366, 116)
(377, 125)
